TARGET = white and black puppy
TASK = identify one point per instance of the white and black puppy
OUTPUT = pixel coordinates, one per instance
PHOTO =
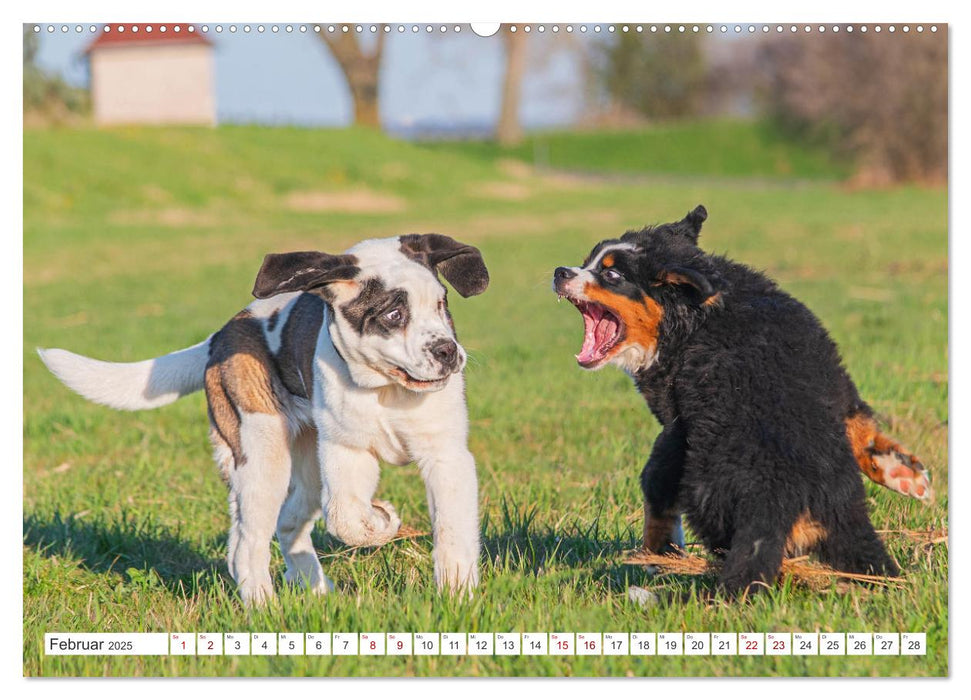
(343, 360)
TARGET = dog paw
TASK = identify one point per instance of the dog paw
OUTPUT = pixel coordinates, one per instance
(313, 582)
(362, 524)
(456, 574)
(900, 471)
(255, 594)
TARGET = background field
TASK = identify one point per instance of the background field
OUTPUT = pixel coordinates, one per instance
(137, 242)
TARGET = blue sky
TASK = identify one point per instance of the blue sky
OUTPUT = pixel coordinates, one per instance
(446, 79)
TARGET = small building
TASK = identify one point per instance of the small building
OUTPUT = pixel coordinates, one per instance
(152, 74)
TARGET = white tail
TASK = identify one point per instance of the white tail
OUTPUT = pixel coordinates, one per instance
(131, 386)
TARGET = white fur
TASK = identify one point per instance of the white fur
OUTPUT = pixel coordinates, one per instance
(131, 386)
(322, 458)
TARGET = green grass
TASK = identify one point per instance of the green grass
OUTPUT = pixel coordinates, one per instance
(720, 149)
(137, 242)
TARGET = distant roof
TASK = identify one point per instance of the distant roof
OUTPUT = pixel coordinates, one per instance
(146, 35)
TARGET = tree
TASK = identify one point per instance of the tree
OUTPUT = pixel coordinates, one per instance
(660, 76)
(509, 130)
(47, 98)
(362, 71)
(879, 100)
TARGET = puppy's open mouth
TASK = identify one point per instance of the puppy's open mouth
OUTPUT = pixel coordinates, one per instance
(409, 382)
(602, 331)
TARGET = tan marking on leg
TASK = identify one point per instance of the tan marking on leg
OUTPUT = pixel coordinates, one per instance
(805, 535)
(241, 377)
(657, 530)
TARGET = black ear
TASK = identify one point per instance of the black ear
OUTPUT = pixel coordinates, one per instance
(703, 287)
(460, 264)
(691, 224)
(300, 272)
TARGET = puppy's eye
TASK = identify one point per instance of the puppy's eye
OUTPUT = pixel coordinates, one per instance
(612, 276)
(394, 316)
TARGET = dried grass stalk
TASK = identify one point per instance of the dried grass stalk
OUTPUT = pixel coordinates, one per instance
(802, 571)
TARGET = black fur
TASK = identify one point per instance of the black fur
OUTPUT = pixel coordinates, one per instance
(752, 396)
(301, 272)
(460, 264)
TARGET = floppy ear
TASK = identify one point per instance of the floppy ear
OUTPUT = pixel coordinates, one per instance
(698, 281)
(691, 224)
(460, 264)
(301, 272)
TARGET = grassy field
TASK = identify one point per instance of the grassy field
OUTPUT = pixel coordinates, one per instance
(717, 149)
(137, 242)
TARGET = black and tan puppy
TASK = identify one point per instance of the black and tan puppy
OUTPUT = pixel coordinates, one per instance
(763, 430)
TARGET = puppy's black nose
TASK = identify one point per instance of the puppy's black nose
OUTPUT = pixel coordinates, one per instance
(561, 274)
(445, 351)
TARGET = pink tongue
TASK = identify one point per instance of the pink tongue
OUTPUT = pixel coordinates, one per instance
(597, 330)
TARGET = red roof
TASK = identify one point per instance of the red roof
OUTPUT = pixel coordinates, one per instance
(147, 34)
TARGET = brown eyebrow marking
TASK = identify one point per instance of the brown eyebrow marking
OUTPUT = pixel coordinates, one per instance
(608, 260)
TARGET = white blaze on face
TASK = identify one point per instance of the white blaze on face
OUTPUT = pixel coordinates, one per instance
(377, 355)
(584, 275)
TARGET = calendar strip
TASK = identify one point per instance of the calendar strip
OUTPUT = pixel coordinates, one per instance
(565, 644)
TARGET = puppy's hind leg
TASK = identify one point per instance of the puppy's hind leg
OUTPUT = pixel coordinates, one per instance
(754, 558)
(300, 510)
(257, 489)
(852, 545)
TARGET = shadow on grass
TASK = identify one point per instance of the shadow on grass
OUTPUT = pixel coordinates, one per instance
(517, 544)
(139, 551)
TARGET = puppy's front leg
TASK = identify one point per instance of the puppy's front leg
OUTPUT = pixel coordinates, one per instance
(453, 503)
(661, 484)
(349, 478)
